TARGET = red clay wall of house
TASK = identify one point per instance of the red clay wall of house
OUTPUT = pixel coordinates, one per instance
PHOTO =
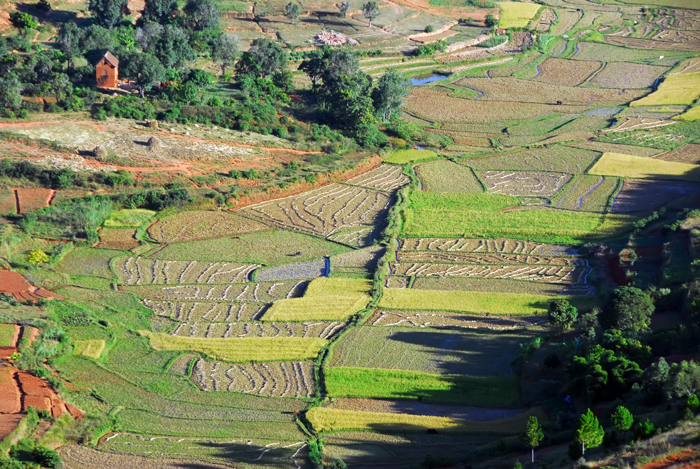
(111, 78)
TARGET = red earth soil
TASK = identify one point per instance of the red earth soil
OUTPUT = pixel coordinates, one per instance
(676, 460)
(5, 352)
(32, 199)
(12, 283)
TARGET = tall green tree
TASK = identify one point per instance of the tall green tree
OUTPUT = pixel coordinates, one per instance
(589, 432)
(684, 379)
(533, 435)
(158, 11)
(628, 309)
(603, 373)
(10, 91)
(390, 94)
(562, 314)
(655, 378)
(314, 69)
(148, 36)
(69, 41)
(262, 60)
(173, 48)
(292, 10)
(370, 10)
(202, 14)
(144, 69)
(23, 22)
(224, 50)
(108, 13)
(622, 419)
(338, 63)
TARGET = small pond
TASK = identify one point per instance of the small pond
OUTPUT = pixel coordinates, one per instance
(424, 79)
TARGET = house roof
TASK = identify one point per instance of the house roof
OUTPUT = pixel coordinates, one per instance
(110, 58)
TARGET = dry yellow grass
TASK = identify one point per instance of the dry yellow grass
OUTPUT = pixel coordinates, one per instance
(325, 419)
(241, 349)
(517, 14)
(90, 348)
(676, 89)
(325, 299)
(616, 164)
(690, 115)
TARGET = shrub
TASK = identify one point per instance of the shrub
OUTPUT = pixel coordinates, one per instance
(46, 457)
(280, 132)
(429, 29)
(645, 430)
(562, 314)
(235, 174)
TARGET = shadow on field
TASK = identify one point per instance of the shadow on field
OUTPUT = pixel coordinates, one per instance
(242, 451)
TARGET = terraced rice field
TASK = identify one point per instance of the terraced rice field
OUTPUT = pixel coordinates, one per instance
(484, 258)
(508, 246)
(524, 183)
(435, 319)
(588, 193)
(628, 166)
(627, 75)
(407, 156)
(447, 176)
(556, 158)
(547, 274)
(142, 271)
(188, 226)
(225, 330)
(206, 311)
(302, 270)
(260, 292)
(90, 348)
(385, 177)
(118, 238)
(516, 14)
(676, 89)
(639, 195)
(689, 154)
(565, 72)
(324, 211)
(272, 379)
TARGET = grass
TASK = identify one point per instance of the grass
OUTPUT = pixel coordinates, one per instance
(481, 216)
(446, 176)
(88, 261)
(241, 349)
(616, 164)
(267, 248)
(325, 299)
(437, 351)
(676, 89)
(516, 14)
(90, 348)
(410, 156)
(471, 301)
(129, 218)
(7, 331)
(328, 419)
(497, 391)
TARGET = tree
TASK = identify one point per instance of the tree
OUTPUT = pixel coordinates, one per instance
(693, 402)
(225, 50)
(490, 21)
(314, 69)
(24, 22)
(144, 69)
(69, 41)
(108, 13)
(36, 257)
(655, 378)
(173, 48)
(533, 435)
(202, 14)
(622, 419)
(292, 10)
(389, 95)
(628, 309)
(148, 36)
(589, 432)
(263, 59)
(10, 91)
(684, 379)
(339, 62)
(562, 314)
(159, 10)
(370, 10)
(344, 7)
(603, 373)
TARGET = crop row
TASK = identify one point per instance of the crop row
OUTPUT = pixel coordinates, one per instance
(385, 177)
(588, 193)
(200, 311)
(323, 211)
(383, 317)
(548, 274)
(273, 379)
(524, 183)
(141, 271)
(188, 226)
(261, 292)
(485, 258)
(514, 246)
(493, 285)
(225, 330)
(300, 270)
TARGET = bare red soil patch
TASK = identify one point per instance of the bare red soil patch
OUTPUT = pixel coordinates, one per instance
(674, 460)
(12, 283)
(33, 199)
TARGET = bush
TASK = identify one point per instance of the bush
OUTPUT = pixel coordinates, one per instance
(46, 457)
(429, 29)
(427, 50)
(280, 132)
(235, 174)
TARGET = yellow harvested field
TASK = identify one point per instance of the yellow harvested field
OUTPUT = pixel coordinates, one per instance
(326, 419)
(676, 89)
(691, 114)
(241, 349)
(517, 14)
(90, 348)
(639, 167)
(325, 299)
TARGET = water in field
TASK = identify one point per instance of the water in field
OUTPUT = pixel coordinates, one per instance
(425, 79)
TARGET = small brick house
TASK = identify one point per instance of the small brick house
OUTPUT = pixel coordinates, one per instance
(107, 71)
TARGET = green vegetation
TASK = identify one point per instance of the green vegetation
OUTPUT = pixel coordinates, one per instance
(409, 156)
(90, 348)
(129, 218)
(7, 331)
(516, 14)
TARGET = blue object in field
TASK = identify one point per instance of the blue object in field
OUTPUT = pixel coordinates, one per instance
(420, 148)
(425, 80)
